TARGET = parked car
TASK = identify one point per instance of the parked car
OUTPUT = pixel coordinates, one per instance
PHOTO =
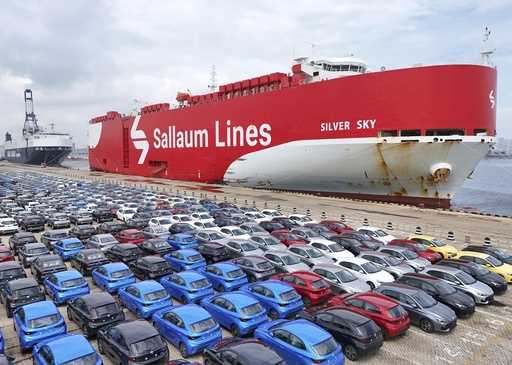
(130, 236)
(87, 260)
(32, 223)
(189, 328)
(354, 246)
(396, 266)
(66, 349)
(59, 220)
(300, 342)
(266, 242)
(330, 249)
(188, 259)
(80, 217)
(111, 277)
(20, 239)
(424, 311)
(50, 237)
(187, 286)
(272, 226)
(241, 352)
(63, 286)
(286, 222)
(123, 252)
(435, 245)
(311, 287)
(36, 322)
(287, 238)
(144, 298)
(377, 233)
(182, 241)
(181, 228)
(150, 268)
(8, 226)
(489, 262)
(253, 228)
(366, 270)
(101, 241)
(309, 255)
(94, 311)
(387, 313)
(123, 214)
(239, 312)
(155, 232)
(278, 298)
(421, 249)
(496, 252)
(31, 251)
(257, 268)
(284, 261)
(5, 254)
(82, 231)
(110, 227)
(132, 342)
(101, 215)
(19, 292)
(409, 257)
(67, 248)
(10, 270)
(155, 246)
(224, 276)
(301, 219)
(45, 265)
(336, 226)
(213, 252)
(340, 279)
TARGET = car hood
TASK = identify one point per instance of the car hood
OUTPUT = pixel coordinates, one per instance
(297, 267)
(491, 277)
(356, 286)
(382, 277)
(458, 298)
(480, 288)
(441, 311)
(402, 269)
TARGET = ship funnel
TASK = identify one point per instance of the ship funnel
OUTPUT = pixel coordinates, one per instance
(8, 137)
(440, 171)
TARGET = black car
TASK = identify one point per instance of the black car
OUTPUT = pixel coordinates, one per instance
(10, 270)
(28, 253)
(49, 238)
(241, 352)
(94, 311)
(19, 239)
(32, 223)
(357, 334)
(111, 227)
(366, 241)
(256, 267)
(462, 304)
(320, 229)
(150, 268)
(138, 221)
(349, 244)
(181, 228)
(223, 221)
(101, 215)
(46, 265)
(19, 292)
(155, 246)
(286, 222)
(213, 252)
(80, 217)
(271, 226)
(58, 220)
(87, 260)
(123, 252)
(491, 251)
(83, 231)
(480, 273)
(134, 342)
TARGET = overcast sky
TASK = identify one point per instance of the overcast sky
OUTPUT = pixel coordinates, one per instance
(82, 58)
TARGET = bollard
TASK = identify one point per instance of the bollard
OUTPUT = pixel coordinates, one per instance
(389, 226)
(279, 208)
(234, 200)
(265, 205)
(467, 239)
(225, 199)
(323, 215)
(342, 218)
(245, 202)
(254, 203)
(294, 210)
(450, 236)
(487, 241)
(308, 212)
(365, 222)
(193, 194)
(418, 230)
(215, 197)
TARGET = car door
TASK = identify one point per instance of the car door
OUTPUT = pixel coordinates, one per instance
(282, 343)
(170, 330)
(133, 298)
(327, 321)
(301, 254)
(80, 312)
(235, 248)
(415, 312)
(218, 308)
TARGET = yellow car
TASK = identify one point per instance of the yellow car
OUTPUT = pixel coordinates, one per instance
(490, 262)
(435, 245)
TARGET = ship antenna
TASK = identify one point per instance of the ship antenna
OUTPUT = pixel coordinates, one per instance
(487, 48)
(213, 80)
(30, 126)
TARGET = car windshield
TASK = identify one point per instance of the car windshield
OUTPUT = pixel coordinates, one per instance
(264, 265)
(345, 276)
(131, 251)
(107, 239)
(11, 273)
(421, 247)
(187, 239)
(290, 260)
(160, 244)
(479, 270)
(394, 261)
(336, 247)
(438, 242)
(37, 251)
(209, 225)
(366, 329)
(51, 263)
(43, 321)
(397, 311)
(90, 359)
(314, 253)
(72, 282)
(319, 284)
(159, 266)
(156, 295)
(215, 236)
(165, 221)
(289, 295)
(271, 241)
(235, 274)
(129, 211)
(106, 310)
(237, 232)
(370, 267)
(252, 309)
(96, 256)
(198, 284)
(26, 292)
(73, 245)
(444, 288)
(194, 258)
(326, 347)
(380, 233)
(410, 255)
(120, 274)
(494, 261)
(246, 246)
(58, 236)
(424, 300)
(465, 278)
(204, 325)
(148, 345)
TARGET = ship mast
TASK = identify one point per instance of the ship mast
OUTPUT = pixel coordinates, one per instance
(487, 48)
(213, 80)
(30, 127)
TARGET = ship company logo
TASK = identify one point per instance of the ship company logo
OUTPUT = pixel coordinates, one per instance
(139, 140)
(492, 99)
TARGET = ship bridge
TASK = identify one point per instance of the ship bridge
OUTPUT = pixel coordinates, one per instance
(324, 68)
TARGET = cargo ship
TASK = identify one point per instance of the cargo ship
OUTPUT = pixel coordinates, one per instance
(330, 127)
(37, 146)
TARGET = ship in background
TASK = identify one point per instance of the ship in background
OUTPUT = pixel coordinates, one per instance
(37, 146)
(331, 127)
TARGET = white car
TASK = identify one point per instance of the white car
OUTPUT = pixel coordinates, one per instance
(90, 207)
(202, 217)
(130, 206)
(8, 226)
(301, 219)
(271, 213)
(367, 271)
(181, 218)
(164, 222)
(285, 261)
(235, 232)
(377, 233)
(123, 214)
(332, 249)
(256, 216)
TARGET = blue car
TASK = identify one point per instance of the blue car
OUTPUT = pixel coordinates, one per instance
(225, 276)
(65, 285)
(313, 344)
(190, 328)
(68, 247)
(65, 349)
(180, 241)
(111, 277)
(237, 311)
(187, 259)
(36, 322)
(187, 286)
(2, 342)
(279, 299)
(144, 298)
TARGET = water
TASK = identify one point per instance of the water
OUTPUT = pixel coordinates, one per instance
(489, 190)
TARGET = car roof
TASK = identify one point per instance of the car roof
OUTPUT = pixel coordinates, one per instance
(330, 267)
(354, 260)
(68, 347)
(252, 350)
(306, 331)
(130, 231)
(103, 235)
(421, 236)
(275, 286)
(255, 258)
(67, 275)
(115, 266)
(226, 266)
(39, 309)
(406, 289)
(376, 298)
(22, 283)
(190, 275)
(191, 313)
(307, 275)
(238, 298)
(153, 259)
(135, 331)
(188, 252)
(349, 315)
(182, 235)
(474, 254)
(374, 253)
(35, 245)
(70, 240)
(49, 257)
(126, 246)
(231, 227)
(9, 265)
(148, 286)
(443, 268)
(395, 248)
(97, 299)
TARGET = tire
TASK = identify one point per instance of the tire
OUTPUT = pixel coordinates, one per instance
(183, 299)
(235, 332)
(427, 325)
(8, 310)
(350, 352)
(183, 350)
(307, 302)
(101, 349)
(220, 288)
(273, 314)
(70, 316)
(371, 285)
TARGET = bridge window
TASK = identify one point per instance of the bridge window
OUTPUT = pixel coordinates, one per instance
(476, 132)
(410, 133)
(445, 132)
(389, 133)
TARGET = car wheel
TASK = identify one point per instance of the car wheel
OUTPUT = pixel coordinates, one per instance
(183, 350)
(350, 352)
(235, 331)
(371, 285)
(273, 314)
(427, 325)
(8, 310)
(251, 278)
(101, 349)
(307, 302)
(183, 299)
(70, 316)
(220, 288)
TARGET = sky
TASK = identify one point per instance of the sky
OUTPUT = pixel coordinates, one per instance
(82, 58)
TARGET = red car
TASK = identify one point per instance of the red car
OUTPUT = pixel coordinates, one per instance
(287, 238)
(130, 236)
(421, 249)
(312, 288)
(386, 312)
(5, 254)
(336, 226)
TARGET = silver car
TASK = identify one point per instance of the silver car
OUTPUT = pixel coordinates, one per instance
(340, 279)
(102, 241)
(309, 255)
(252, 228)
(480, 292)
(267, 242)
(240, 247)
(411, 258)
(393, 265)
(285, 261)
